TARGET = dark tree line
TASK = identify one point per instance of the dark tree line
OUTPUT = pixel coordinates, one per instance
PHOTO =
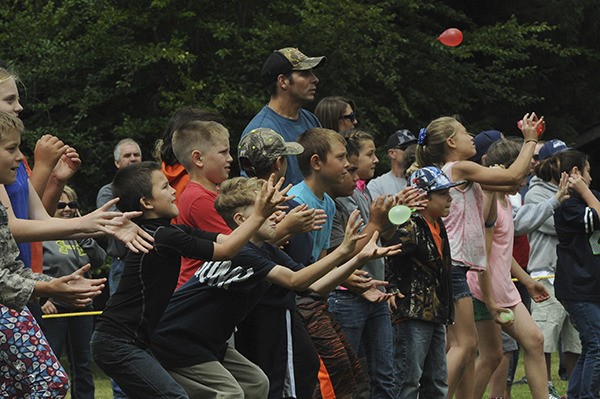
(95, 71)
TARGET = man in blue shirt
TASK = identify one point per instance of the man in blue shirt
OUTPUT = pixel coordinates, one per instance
(291, 83)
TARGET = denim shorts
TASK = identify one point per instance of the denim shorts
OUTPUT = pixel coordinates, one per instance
(459, 282)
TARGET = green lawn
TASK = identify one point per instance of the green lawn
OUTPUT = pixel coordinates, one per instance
(519, 391)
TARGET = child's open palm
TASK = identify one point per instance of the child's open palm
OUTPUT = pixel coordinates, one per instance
(271, 196)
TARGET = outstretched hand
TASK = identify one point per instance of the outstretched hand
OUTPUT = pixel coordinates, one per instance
(538, 292)
(412, 197)
(271, 196)
(351, 234)
(75, 288)
(132, 235)
(563, 187)
(303, 219)
(379, 209)
(68, 164)
(374, 251)
(529, 126)
(48, 150)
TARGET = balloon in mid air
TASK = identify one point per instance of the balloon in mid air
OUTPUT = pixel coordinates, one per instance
(451, 37)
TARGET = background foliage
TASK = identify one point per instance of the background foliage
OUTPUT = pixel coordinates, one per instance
(95, 71)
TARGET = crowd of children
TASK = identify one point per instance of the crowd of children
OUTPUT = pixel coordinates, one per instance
(250, 287)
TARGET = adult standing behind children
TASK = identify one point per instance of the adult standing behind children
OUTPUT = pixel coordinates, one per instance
(336, 113)
(61, 258)
(394, 181)
(126, 152)
(291, 83)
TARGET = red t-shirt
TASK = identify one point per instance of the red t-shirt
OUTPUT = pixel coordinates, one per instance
(197, 209)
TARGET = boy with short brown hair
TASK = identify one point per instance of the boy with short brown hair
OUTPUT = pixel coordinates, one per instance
(203, 149)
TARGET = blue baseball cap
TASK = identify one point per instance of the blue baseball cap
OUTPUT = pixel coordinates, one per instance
(431, 178)
(483, 141)
(552, 147)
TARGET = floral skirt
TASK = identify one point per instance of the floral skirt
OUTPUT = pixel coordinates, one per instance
(28, 367)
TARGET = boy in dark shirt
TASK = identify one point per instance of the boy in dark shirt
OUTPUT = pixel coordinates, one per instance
(121, 340)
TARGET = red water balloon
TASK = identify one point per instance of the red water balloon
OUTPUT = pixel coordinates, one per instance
(451, 37)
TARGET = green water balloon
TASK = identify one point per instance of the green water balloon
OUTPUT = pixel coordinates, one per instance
(399, 214)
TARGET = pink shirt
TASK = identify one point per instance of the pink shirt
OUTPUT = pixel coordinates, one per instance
(465, 223)
(505, 292)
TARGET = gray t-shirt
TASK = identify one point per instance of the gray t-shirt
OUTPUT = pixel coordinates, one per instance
(343, 208)
(386, 184)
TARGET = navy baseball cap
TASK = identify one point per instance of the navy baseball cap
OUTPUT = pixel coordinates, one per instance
(401, 138)
(431, 178)
(483, 141)
(552, 147)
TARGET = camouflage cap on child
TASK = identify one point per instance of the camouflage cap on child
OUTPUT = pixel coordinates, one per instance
(262, 146)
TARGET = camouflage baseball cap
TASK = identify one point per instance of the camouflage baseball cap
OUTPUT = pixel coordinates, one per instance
(286, 60)
(262, 146)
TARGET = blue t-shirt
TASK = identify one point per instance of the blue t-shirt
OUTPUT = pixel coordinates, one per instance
(290, 129)
(18, 192)
(304, 195)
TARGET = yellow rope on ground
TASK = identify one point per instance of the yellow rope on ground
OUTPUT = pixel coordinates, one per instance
(74, 314)
(99, 312)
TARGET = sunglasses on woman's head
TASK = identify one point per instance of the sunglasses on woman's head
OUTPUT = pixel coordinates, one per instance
(70, 204)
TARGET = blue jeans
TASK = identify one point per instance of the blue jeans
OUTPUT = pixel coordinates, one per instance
(420, 359)
(135, 369)
(370, 324)
(585, 379)
(73, 333)
(114, 274)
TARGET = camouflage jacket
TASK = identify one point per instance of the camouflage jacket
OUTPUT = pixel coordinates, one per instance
(420, 274)
(16, 282)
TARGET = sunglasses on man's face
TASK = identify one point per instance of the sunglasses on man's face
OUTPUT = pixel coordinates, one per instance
(351, 116)
(71, 204)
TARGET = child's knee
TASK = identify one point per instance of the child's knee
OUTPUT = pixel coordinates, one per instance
(257, 387)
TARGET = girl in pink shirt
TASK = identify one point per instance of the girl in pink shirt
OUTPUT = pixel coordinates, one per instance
(494, 292)
(447, 144)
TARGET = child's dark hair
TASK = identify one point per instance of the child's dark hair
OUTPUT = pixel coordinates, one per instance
(132, 183)
(551, 168)
(236, 193)
(354, 141)
(502, 152)
(316, 141)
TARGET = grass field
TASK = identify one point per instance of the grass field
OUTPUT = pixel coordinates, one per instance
(519, 391)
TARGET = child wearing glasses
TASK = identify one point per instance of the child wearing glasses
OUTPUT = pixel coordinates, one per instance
(61, 258)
